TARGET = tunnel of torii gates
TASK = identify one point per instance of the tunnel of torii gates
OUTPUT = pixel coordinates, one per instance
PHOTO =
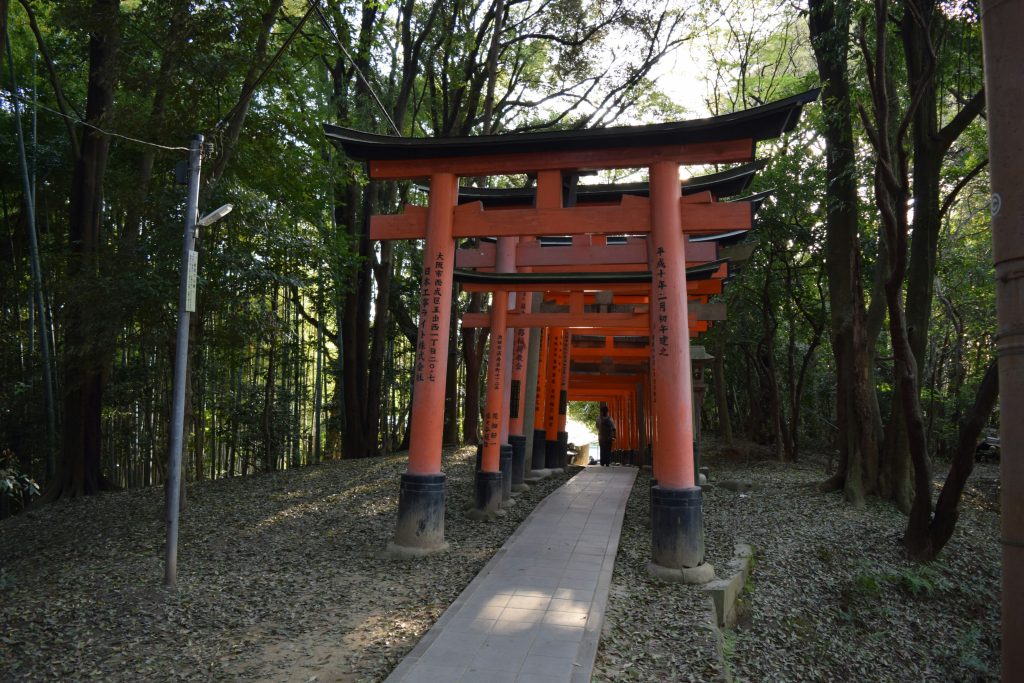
(596, 292)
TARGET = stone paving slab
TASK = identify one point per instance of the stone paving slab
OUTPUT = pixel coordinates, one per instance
(534, 613)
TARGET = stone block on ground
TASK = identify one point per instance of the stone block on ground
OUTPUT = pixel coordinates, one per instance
(725, 592)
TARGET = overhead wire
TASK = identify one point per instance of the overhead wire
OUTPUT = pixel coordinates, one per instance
(266, 70)
(315, 5)
(104, 131)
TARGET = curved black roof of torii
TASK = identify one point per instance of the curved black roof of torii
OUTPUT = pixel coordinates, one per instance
(759, 123)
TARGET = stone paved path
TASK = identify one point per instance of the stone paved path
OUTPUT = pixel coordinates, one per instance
(534, 612)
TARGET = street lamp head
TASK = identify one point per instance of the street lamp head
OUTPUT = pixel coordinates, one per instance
(214, 216)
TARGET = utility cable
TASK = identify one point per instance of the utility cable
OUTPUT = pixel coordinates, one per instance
(247, 93)
(315, 5)
(80, 122)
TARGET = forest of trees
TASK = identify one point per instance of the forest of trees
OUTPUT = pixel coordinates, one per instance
(862, 327)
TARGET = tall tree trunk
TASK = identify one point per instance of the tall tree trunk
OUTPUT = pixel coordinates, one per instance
(929, 145)
(355, 323)
(238, 113)
(267, 425)
(85, 360)
(318, 380)
(351, 95)
(829, 22)
(383, 272)
(891, 181)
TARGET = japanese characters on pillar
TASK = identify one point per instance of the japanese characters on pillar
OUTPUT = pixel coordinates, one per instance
(518, 368)
(542, 381)
(427, 416)
(432, 295)
(670, 349)
(661, 326)
(554, 385)
(495, 377)
(497, 359)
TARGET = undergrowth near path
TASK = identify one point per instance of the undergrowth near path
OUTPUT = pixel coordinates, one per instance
(832, 596)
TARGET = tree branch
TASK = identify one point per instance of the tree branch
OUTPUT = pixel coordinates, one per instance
(952, 130)
(58, 91)
(947, 203)
(315, 322)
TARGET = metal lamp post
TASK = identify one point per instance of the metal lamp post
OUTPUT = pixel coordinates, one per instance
(186, 305)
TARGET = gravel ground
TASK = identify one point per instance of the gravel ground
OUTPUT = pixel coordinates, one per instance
(653, 631)
(281, 578)
(831, 598)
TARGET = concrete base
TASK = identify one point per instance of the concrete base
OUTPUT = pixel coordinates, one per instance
(420, 521)
(725, 592)
(484, 515)
(702, 573)
(520, 488)
(404, 552)
(537, 475)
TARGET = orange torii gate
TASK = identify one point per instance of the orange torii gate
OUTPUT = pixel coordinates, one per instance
(599, 253)
(550, 442)
(663, 216)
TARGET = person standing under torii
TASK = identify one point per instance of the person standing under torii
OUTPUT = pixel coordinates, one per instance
(605, 435)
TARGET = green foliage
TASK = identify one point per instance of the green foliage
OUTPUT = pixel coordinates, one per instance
(15, 485)
(586, 412)
(922, 582)
(275, 276)
(972, 653)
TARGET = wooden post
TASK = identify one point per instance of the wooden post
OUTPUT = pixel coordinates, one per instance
(517, 386)
(420, 526)
(553, 388)
(490, 480)
(676, 515)
(540, 425)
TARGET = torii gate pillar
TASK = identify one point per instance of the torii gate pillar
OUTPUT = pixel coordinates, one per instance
(677, 522)
(420, 526)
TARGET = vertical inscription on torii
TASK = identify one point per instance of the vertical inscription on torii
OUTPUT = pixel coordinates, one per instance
(431, 291)
(492, 422)
(661, 326)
